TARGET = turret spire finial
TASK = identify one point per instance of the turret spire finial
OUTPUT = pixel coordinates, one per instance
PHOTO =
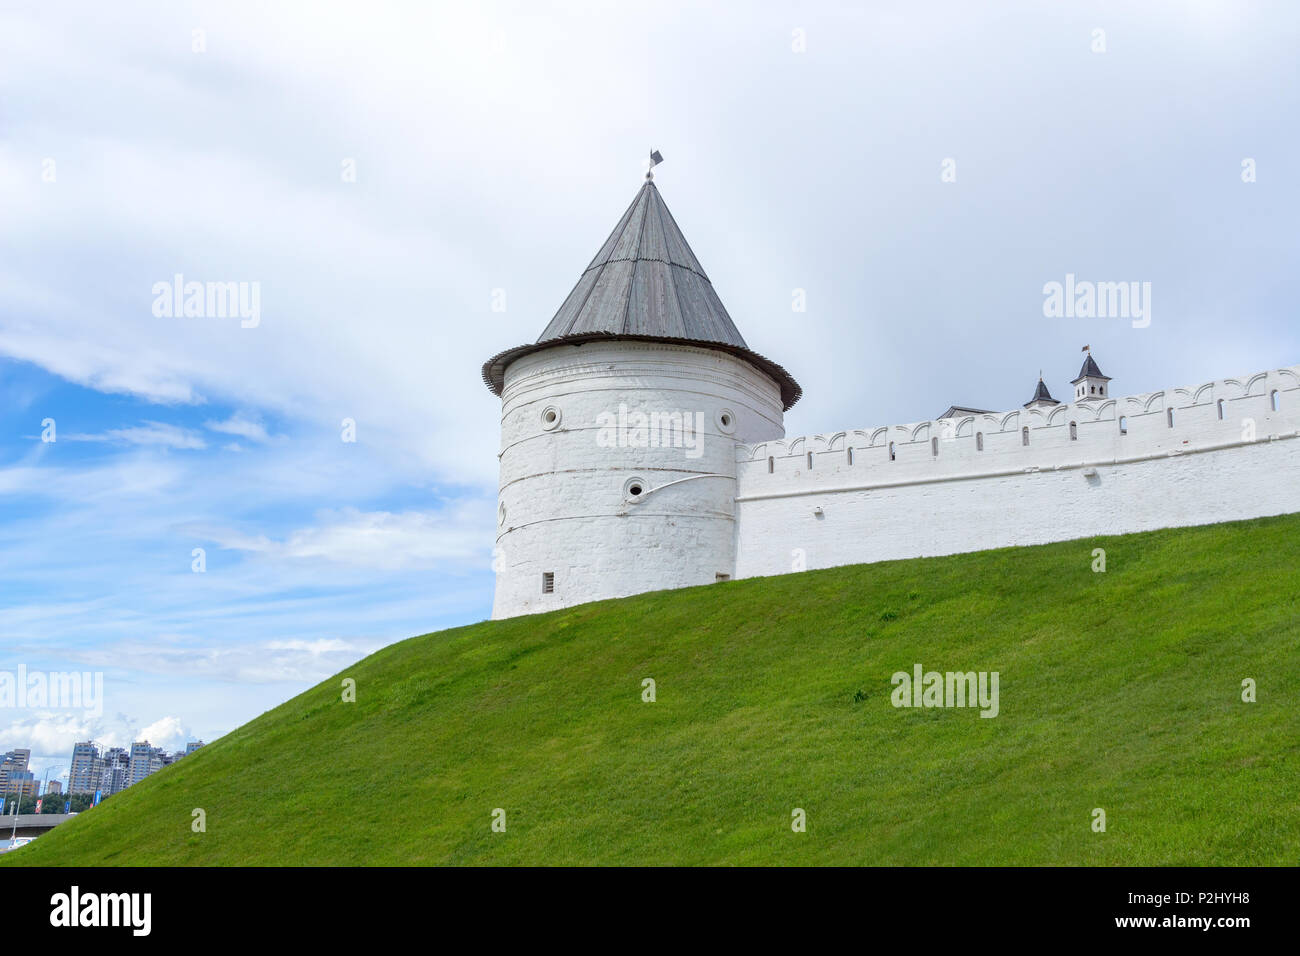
(655, 160)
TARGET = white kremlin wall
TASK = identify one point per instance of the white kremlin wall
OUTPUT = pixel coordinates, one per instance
(1221, 451)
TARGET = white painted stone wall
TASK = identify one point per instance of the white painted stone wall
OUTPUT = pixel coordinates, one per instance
(972, 483)
(564, 506)
(754, 503)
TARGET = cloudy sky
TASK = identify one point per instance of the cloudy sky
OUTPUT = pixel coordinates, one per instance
(386, 173)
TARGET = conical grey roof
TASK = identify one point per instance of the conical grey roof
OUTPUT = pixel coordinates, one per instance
(1090, 370)
(645, 283)
(1041, 394)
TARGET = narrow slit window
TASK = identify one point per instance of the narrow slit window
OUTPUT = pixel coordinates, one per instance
(934, 447)
(892, 453)
(771, 464)
(979, 441)
(1123, 424)
(1220, 405)
(548, 582)
(850, 451)
(1275, 400)
(810, 461)
(1169, 413)
(1024, 435)
(1074, 431)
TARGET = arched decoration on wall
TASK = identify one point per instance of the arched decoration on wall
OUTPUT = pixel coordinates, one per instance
(1009, 421)
(1101, 411)
(796, 446)
(966, 426)
(1236, 383)
(837, 441)
(921, 431)
(1153, 400)
(1289, 373)
(772, 447)
(1207, 387)
(879, 435)
(1062, 411)
(1255, 380)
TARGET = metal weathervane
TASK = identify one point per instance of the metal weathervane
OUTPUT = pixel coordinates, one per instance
(655, 160)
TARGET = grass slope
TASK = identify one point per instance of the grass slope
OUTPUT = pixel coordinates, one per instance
(1119, 690)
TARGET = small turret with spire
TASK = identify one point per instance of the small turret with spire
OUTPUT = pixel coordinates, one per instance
(1091, 383)
(1042, 397)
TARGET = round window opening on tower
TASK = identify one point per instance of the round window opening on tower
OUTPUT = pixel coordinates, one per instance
(550, 417)
(634, 488)
(726, 421)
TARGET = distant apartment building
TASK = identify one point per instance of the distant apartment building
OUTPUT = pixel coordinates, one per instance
(15, 778)
(143, 755)
(15, 761)
(53, 788)
(87, 768)
(192, 746)
(22, 783)
(115, 775)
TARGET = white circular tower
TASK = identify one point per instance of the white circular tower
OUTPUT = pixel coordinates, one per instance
(619, 426)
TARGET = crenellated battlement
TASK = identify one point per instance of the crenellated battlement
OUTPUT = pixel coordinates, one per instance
(1183, 420)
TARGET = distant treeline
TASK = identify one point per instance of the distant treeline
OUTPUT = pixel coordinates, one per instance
(54, 803)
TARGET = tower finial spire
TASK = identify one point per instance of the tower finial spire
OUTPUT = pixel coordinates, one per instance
(655, 160)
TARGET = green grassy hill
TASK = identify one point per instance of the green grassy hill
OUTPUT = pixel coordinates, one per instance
(1120, 690)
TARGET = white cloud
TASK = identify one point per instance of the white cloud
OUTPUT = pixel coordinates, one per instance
(305, 661)
(48, 733)
(150, 433)
(169, 733)
(379, 539)
(241, 425)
